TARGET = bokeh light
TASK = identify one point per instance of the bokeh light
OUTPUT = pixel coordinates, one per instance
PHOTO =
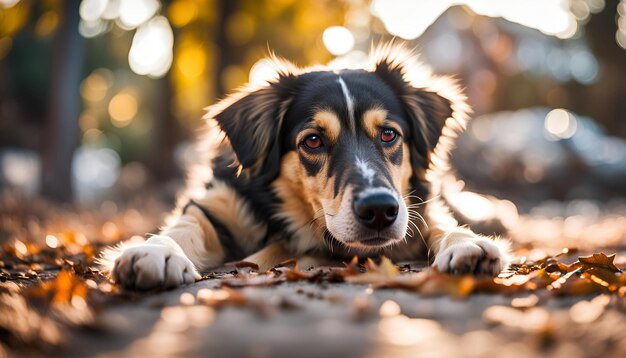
(338, 40)
(95, 87)
(620, 34)
(151, 51)
(90, 29)
(123, 108)
(136, 12)
(560, 124)
(94, 171)
(192, 61)
(46, 24)
(21, 169)
(91, 10)
(182, 12)
(52, 241)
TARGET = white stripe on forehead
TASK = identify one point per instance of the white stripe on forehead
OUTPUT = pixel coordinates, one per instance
(367, 172)
(350, 104)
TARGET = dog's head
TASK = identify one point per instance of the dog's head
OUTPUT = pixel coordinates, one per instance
(347, 149)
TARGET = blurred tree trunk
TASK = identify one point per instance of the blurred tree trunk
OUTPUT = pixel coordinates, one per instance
(604, 100)
(228, 55)
(61, 128)
(165, 134)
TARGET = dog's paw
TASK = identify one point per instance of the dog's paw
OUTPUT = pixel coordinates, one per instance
(474, 255)
(153, 265)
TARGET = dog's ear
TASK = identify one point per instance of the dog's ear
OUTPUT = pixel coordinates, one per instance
(427, 110)
(252, 120)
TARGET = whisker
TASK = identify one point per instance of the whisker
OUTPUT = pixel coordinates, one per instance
(328, 239)
(417, 216)
(422, 201)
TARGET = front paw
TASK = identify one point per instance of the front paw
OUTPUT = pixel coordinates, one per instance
(474, 255)
(150, 266)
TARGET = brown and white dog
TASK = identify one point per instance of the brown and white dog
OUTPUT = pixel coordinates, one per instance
(319, 162)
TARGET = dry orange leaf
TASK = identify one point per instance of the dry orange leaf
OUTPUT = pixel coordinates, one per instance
(599, 260)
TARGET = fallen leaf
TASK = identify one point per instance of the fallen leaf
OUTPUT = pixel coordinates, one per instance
(243, 264)
(599, 260)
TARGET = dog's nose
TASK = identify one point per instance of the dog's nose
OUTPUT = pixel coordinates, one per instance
(376, 211)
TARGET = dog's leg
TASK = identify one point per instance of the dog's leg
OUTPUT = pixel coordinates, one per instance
(270, 256)
(459, 250)
(169, 259)
(190, 244)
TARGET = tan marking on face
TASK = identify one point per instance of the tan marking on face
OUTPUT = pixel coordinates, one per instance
(305, 200)
(336, 201)
(329, 124)
(406, 171)
(289, 185)
(319, 189)
(298, 206)
(314, 189)
(373, 119)
(401, 175)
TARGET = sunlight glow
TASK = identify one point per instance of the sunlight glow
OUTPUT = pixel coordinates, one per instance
(551, 17)
(52, 241)
(8, 3)
(399, 16)
(389, 308)
(353, 59)
(338, 40)
(91, 10)
(560, 124)
(20, 247)
(262, 71)
(151, 51)
(401, 330)
(473, 206)
(135, 12)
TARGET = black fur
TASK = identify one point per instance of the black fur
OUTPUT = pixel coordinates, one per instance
(262, 127)
(427, 111)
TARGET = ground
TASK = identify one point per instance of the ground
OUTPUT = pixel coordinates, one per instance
(562, 298)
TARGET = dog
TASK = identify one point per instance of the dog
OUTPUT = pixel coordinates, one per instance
(319, 163)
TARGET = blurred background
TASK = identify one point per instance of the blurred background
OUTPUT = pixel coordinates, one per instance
(100, 99)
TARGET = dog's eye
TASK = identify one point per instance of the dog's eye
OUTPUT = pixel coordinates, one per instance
(388, 136)
(313, 142)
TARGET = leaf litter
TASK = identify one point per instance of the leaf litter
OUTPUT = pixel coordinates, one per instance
(46, 287)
